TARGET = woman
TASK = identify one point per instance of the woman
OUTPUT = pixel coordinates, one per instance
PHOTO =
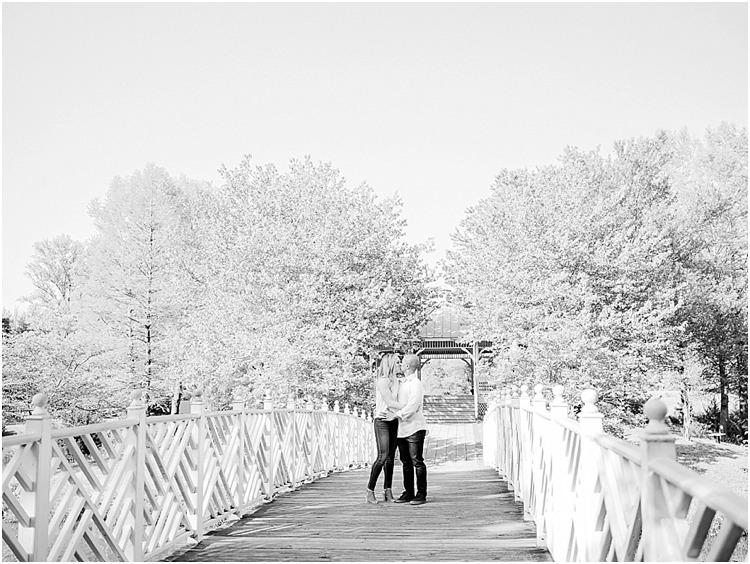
(385, 424)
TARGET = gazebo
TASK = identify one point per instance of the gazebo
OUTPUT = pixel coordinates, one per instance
(444, 337)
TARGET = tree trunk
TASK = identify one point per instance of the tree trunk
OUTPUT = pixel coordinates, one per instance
(176, 399)
(149, 362)
(724, 395)
(131, 344)
(687, 411)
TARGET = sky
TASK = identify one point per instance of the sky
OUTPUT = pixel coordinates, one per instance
(427, 100)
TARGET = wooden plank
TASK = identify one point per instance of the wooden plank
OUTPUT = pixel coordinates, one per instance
(470, 516)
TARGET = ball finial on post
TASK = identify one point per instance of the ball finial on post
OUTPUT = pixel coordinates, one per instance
(655, 411)
(39, 401)
(558, 407)
(557, 392)
(589, 398)
(136, 399)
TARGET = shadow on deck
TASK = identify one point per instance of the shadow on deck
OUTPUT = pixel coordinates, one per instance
(470, 516)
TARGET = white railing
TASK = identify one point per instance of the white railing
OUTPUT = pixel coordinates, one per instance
(597, 498)
(138, 488)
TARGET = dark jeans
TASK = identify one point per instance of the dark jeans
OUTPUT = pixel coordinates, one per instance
(385, 437)
(410, 452)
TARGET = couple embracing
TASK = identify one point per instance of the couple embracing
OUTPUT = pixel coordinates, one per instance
(399, 421)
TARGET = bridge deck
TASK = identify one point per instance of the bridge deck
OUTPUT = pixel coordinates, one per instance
(470, 516)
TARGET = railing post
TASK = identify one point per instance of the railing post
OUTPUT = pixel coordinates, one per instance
(310, 436)
(539, 450)
(35, 539)
(293, 465)
(505, 436)
(559, 527)
(239, 405)
(489, 435)
(137, 411)
(515, 454)
(526, 437)
(591, 422)
(271, 442)
(656, 442)
(197, 408)
(325, 437)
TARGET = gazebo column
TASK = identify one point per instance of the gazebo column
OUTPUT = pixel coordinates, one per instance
(474, 364)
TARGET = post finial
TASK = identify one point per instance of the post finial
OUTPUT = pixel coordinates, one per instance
(136, 398)
(336, 407)
(589, 398)
(557, 392)
(655, 411)
(198, 395)
(346, 409)
(267, 401)
(524, 391)
(538, 389)
(39, 401)
(324, 404)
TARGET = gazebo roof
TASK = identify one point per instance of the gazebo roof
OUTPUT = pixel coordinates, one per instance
(443, 336)
(444, 323)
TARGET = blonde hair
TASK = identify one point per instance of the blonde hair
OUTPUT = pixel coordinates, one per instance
(388, 366)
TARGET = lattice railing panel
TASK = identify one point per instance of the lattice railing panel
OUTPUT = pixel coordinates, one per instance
(169, 482)
(597, 498)
(135, 489)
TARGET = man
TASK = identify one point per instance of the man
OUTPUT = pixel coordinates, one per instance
(412, 429)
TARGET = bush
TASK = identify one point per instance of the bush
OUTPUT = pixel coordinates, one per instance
(736, 431)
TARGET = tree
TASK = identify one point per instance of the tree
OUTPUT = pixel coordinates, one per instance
(299, 277)
(133, 267)
(53, 269)
(710, 179)
(51, 351)
(571, 269)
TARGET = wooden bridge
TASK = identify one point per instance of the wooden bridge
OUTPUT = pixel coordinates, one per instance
(529, 483)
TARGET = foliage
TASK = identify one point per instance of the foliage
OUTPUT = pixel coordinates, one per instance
(53, 269)
(132, 270)
(446, 377)
(736, 429)
(298, 277)
(595, 272)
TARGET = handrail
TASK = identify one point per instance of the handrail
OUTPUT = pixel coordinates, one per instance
(92, 428)
(712, 495)
(137, 488)
(22, 439)
(595, 497)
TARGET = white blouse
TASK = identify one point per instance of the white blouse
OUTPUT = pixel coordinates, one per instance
(380, 406)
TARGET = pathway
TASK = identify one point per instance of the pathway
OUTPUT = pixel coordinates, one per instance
(470, 516)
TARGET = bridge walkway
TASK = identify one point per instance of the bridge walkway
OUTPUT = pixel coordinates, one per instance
(470, 516)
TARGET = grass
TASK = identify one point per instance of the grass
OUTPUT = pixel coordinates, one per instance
(722, 463)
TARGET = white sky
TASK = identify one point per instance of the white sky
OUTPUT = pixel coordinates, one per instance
(430, 100)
